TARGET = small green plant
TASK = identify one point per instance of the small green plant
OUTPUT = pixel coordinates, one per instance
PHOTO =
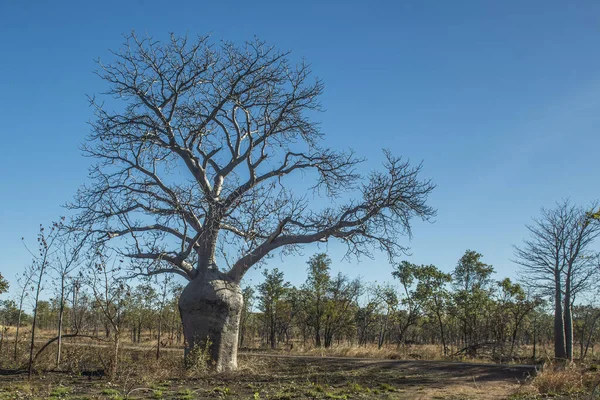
(112, 394)
(60, 392)
(387, 387)
(185, 394)
(199, 359)
(355, 388)
(223, 391)
(157, 394)
(329, 395)
(161, 385)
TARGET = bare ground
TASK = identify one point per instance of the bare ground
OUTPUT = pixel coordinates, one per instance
(281, 377)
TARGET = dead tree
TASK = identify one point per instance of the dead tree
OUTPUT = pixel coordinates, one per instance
(203, 162)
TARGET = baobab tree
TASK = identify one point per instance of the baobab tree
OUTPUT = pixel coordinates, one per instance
(559, 259)
(202, 157)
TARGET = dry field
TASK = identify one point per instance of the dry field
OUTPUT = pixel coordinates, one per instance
(338, 373)
(264, 376)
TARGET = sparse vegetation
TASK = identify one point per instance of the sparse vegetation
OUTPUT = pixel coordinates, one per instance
(556, 381)
(194, 153)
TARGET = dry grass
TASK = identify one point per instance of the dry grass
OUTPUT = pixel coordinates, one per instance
(390, 352)
(142, 376)
(574, 382)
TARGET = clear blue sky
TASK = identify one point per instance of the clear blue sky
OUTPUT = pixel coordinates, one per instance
(501, 100)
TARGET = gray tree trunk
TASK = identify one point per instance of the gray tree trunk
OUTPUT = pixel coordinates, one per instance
(568, 317)
(210, 308)
(560, 351)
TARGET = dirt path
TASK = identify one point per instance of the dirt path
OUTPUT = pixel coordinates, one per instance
(410, 379)
(524, 367)
(288, 376)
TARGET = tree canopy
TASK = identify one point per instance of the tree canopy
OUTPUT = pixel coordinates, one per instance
(197, 150)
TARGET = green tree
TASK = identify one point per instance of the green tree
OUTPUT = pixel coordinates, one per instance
(431, 290)
(472, 297)
(586, 324)
(141, 309)
(3, 284)
(315, 294)
(513, 302)
(366, 315)
(388, 301)
(270, 296)
(342, 295)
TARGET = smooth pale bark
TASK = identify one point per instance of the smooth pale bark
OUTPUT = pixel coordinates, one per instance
(210, 308)
(568, 317)
(560, 351)
(114, 365)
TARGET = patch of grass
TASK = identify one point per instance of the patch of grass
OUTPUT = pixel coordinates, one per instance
(60, 392)
(164, 385)
(185, 394)
(157, 394)
(112, 394)
(280, 396)
(330, 395)
(357, 388)
(319, 388)
(224, 391)
(387, 387)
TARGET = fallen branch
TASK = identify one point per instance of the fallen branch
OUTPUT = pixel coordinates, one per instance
(70, 335)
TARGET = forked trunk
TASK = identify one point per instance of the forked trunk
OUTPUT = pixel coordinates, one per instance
(210, 308)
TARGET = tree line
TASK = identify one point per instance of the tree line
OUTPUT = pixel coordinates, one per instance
(465, 312)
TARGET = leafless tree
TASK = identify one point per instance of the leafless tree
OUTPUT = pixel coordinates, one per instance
(41, 261)
(23, 281)
(66, 260)
(558, 260)
(201, 158)
(110, 294)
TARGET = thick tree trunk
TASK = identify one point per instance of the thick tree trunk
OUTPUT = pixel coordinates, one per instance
(568, 317)
(210, 308)
(560, 351)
